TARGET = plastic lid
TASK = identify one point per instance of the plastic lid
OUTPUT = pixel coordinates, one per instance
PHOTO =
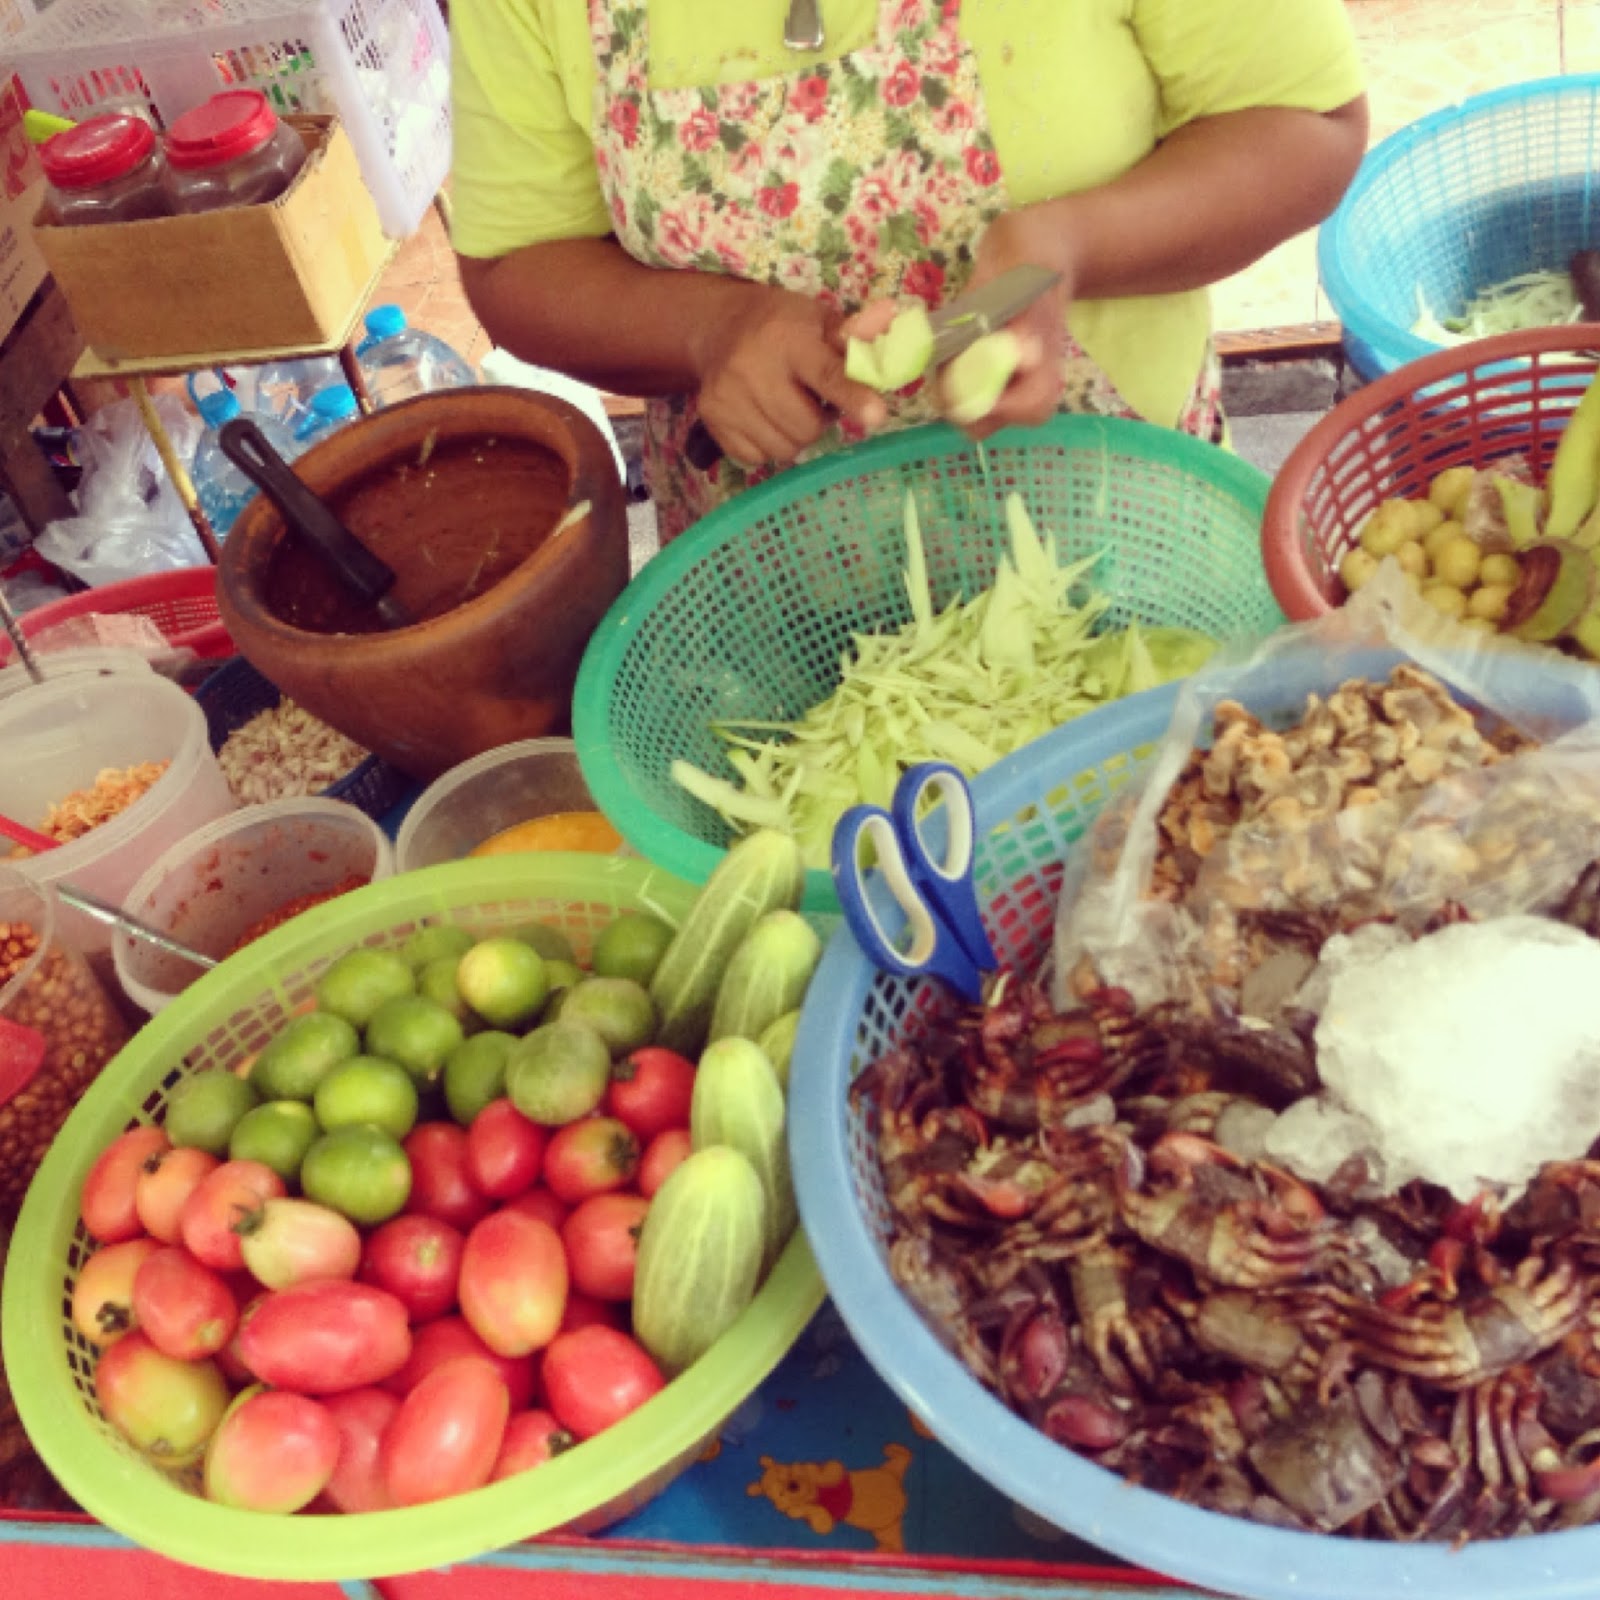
(334, 403)
(216, 409)
(227, 127)
(383, 322)
(97, 151)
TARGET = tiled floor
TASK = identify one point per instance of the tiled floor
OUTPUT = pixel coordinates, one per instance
(1420, 55)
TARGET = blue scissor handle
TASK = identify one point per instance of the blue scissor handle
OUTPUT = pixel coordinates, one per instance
(946, 884)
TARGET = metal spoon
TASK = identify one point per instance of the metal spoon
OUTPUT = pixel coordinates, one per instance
(101, 912)
(19, 641)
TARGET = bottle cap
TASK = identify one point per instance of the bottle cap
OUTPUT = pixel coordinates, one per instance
(225, 128)
(96, 151)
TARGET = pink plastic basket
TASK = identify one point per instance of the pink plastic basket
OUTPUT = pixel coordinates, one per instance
(181, 603)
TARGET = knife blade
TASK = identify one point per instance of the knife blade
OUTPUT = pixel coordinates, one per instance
(956, 327)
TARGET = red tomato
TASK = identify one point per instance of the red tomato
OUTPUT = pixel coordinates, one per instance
(584, 1311)
(446, 1437)
(102, 1298)
(286, 1242)
(542, 1204)
(272, 1452)
(504, 1151)
(418, 1260)
(107, 1205)
(595, 1377)
(319, 1338)
(593, 1156)
(357, 1483)
(440, 1186)
(602, 1243)
(209, 1220)
(165, 1185)
(650, 1091)
(185, 1309)
(167, 1409)
(662, 1156)
(531, 1439)
(229, 1358)
(450, 1337)
(513, 1282)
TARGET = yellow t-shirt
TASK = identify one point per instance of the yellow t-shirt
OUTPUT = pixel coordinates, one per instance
(1077, 92)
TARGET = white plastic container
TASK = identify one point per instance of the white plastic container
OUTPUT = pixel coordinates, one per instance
(58, 737)
(92, 661)
(211, 888)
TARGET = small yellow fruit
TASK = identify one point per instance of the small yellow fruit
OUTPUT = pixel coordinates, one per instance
(1425, 517)
(1437, 538)
(1358, 567)
(1500, 569)
(1413, 559)
(1489, 601)
(1457, 564)
(1387, 528)
(1445, 598)
(1449, 491)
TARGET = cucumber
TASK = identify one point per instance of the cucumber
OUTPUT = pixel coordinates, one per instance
(769, 975)
(737, 1102)
(777, 1045)
(700, 1253)
(762, 872)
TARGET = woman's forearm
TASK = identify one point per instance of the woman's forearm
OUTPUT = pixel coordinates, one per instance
(1211, 199)
(587, 308)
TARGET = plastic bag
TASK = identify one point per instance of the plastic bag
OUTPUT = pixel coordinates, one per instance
(1160, 894)
(130, 519)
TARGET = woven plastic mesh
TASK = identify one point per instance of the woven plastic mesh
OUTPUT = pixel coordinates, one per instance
(748, 615)
(182, 604)
(1468, 198)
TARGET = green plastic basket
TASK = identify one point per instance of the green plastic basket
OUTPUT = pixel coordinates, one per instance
(229, 1014)
(748, 614)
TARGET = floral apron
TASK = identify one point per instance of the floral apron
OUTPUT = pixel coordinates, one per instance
(870, 176)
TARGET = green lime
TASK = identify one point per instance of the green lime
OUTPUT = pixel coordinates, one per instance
(437, 982)
(631, 947)
(550, 942)
(504, 981)
(562, 975)
(203, 1111)
(415, 1032)
(302, 1055)
(367, 1089)
(361, 1172)
(277, 1135)
(558, 1073)
(358, 983)
(475, 1074)
(438, 943)
(618, 1009)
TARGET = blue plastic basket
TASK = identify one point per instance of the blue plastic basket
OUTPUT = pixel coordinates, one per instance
(1030, 809)
(1502, 184)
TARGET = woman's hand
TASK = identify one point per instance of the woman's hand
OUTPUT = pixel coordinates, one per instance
(772, 375)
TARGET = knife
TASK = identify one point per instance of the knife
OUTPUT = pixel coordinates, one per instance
(956, 327)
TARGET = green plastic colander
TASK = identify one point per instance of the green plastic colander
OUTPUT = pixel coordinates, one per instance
(228, 1015)
(747, 615)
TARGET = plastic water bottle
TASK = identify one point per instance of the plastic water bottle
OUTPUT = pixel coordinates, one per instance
(222, 489)
(400, 362)
(285, 389)
(330, 410)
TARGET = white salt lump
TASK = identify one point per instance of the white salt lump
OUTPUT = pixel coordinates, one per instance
(1473, 1053)
(1316, 1136)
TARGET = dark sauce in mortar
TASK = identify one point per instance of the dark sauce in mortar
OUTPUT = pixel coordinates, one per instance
(453, 521)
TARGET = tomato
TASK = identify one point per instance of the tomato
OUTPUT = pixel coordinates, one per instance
(584, 1311)
(208, 1223)
(166, 1408)
(531, 1439)
(286, 1242)
(107, 1205)
(602, 1243)
(361, 1415)
(102, 1298)
(319, 1338)
(504, 1151)
(418, 1260)
(446, 1437)
(593, 1156)
(450, 1337)
(594, 1377)
(185, 1310)
(513, 1282)
(229, 1358)
(650, 1091)
(440, 1186)
(168, 1179)
(661, 1158)
(542, 1204)
(272, 1452)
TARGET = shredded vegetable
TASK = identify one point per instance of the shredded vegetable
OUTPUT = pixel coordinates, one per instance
(1533, 300)
(968, 684)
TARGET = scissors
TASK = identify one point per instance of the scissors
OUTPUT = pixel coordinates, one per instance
(948, 940)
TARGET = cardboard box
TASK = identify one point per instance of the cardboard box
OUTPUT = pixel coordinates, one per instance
(22, 267)
(292, 274)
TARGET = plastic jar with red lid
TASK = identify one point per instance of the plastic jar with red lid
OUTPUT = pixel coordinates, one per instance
(108, 169)
(231, 151)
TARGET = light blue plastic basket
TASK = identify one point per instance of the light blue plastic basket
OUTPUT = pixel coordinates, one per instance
(1502, 184)
(1030, 809)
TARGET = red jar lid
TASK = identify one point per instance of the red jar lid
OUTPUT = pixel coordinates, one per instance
(227, 127)
(96, 151)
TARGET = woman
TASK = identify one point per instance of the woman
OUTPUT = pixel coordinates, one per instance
(662, 198)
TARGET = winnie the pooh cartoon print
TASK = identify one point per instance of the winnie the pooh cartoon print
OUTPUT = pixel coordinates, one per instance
(825, 1495)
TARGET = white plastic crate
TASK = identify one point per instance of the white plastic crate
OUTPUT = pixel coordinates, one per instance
(381, 65)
